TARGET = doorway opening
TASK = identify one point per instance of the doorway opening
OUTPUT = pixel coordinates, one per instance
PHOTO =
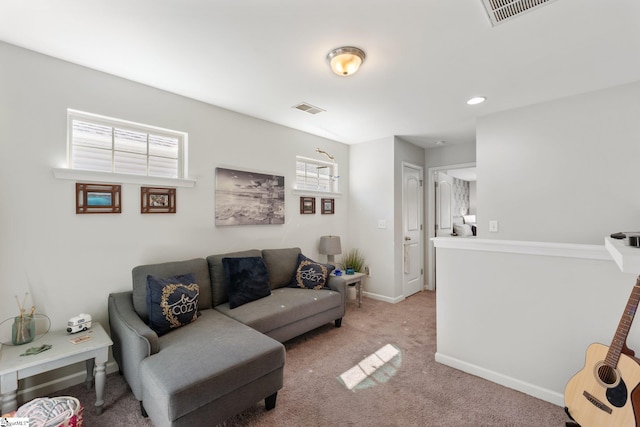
(451, 191)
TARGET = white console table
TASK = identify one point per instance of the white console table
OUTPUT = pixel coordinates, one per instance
(14, 367)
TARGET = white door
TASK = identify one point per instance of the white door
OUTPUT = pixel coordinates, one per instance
(412, 219)
(444, 217)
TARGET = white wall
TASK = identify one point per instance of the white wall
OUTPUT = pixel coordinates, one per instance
(372, 199)
(447, 155)
(472, 197)
(376, 194)
(561, 171)
(526, 320)
(70, 263)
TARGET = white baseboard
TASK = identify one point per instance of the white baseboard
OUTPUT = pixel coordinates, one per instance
(45, 389)
(515, 384)
(383, 298)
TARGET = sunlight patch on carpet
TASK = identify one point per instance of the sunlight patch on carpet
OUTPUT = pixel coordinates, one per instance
(377, 368)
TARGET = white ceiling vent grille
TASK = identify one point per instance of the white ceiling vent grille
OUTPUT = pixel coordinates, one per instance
(308, 108)
(503, 10)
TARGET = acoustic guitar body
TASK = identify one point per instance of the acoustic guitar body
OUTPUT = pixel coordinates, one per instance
(601, 396)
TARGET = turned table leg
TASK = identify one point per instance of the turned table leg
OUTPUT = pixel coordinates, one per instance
(9, 391)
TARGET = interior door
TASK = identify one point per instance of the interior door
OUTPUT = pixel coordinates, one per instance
(444, 216)
(412, 220)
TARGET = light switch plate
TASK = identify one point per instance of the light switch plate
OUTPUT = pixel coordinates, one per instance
(493, 226)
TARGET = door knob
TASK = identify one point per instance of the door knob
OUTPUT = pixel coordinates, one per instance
(406, 239)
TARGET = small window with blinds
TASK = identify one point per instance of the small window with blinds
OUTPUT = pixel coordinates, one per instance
(104, 144)
(316, 175)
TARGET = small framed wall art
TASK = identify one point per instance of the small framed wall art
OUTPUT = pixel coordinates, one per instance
(307, 205)
(97, 198)
(157, 200)
(328, 206)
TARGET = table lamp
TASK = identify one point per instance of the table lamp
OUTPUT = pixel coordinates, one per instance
(330, 246)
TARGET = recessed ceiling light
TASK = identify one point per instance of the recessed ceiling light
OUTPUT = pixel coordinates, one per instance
(441, 142)
(476, 100)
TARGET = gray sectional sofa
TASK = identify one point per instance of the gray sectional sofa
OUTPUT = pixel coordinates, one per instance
(229, 358)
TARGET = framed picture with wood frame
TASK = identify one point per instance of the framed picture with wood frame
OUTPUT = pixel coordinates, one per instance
(327, 206)
(97, 198)
(307, 205)
(157, 200)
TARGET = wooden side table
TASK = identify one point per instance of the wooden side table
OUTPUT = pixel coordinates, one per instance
(355, 278)
(94, 351)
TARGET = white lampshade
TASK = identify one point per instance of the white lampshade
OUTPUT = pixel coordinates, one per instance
(330, 246)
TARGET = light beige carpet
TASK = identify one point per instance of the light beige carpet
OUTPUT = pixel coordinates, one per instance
(405, 386)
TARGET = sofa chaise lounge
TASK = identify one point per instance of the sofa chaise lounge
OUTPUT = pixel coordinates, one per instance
(229, 358)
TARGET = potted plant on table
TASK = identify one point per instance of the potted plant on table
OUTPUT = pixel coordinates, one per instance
(352, 261)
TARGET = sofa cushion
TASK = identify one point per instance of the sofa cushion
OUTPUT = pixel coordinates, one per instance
(171, 302)
(216, 271)
(206, 360)
(310, 274)
(281, 264)
(247, 280)
(283, 307)
(196, 266)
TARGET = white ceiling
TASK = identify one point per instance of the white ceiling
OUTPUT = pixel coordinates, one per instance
(425, 58)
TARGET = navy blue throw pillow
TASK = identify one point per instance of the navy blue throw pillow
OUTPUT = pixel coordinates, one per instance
(172, 301)
(247, 279)
(310, 274)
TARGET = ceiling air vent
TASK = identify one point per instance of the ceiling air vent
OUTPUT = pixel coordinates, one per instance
(503, 10)
(308, 108)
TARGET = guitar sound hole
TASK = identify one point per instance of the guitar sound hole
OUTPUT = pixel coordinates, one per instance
(607, 374)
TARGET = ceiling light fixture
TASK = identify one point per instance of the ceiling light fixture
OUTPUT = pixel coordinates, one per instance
(476, 100)
(346, 60)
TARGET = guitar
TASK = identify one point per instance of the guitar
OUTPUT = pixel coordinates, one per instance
(605, 392)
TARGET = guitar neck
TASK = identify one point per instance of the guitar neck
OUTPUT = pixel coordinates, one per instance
(620, 337)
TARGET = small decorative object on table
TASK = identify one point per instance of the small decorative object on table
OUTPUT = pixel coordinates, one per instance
(81, 322)
(24, 328)
(36, 350)
(353, 261)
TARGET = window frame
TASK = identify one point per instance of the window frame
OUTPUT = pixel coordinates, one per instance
(182, 137)
(333, 176)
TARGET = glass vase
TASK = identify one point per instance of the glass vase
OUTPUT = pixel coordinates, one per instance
(23, 330)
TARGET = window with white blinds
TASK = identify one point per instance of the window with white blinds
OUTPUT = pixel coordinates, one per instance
(316, 175)
(104, 144)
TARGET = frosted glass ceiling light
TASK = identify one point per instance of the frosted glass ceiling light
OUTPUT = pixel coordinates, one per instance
(345, 61)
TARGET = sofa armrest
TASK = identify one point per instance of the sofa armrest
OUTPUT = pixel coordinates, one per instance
(338, 284)
(133, 340)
